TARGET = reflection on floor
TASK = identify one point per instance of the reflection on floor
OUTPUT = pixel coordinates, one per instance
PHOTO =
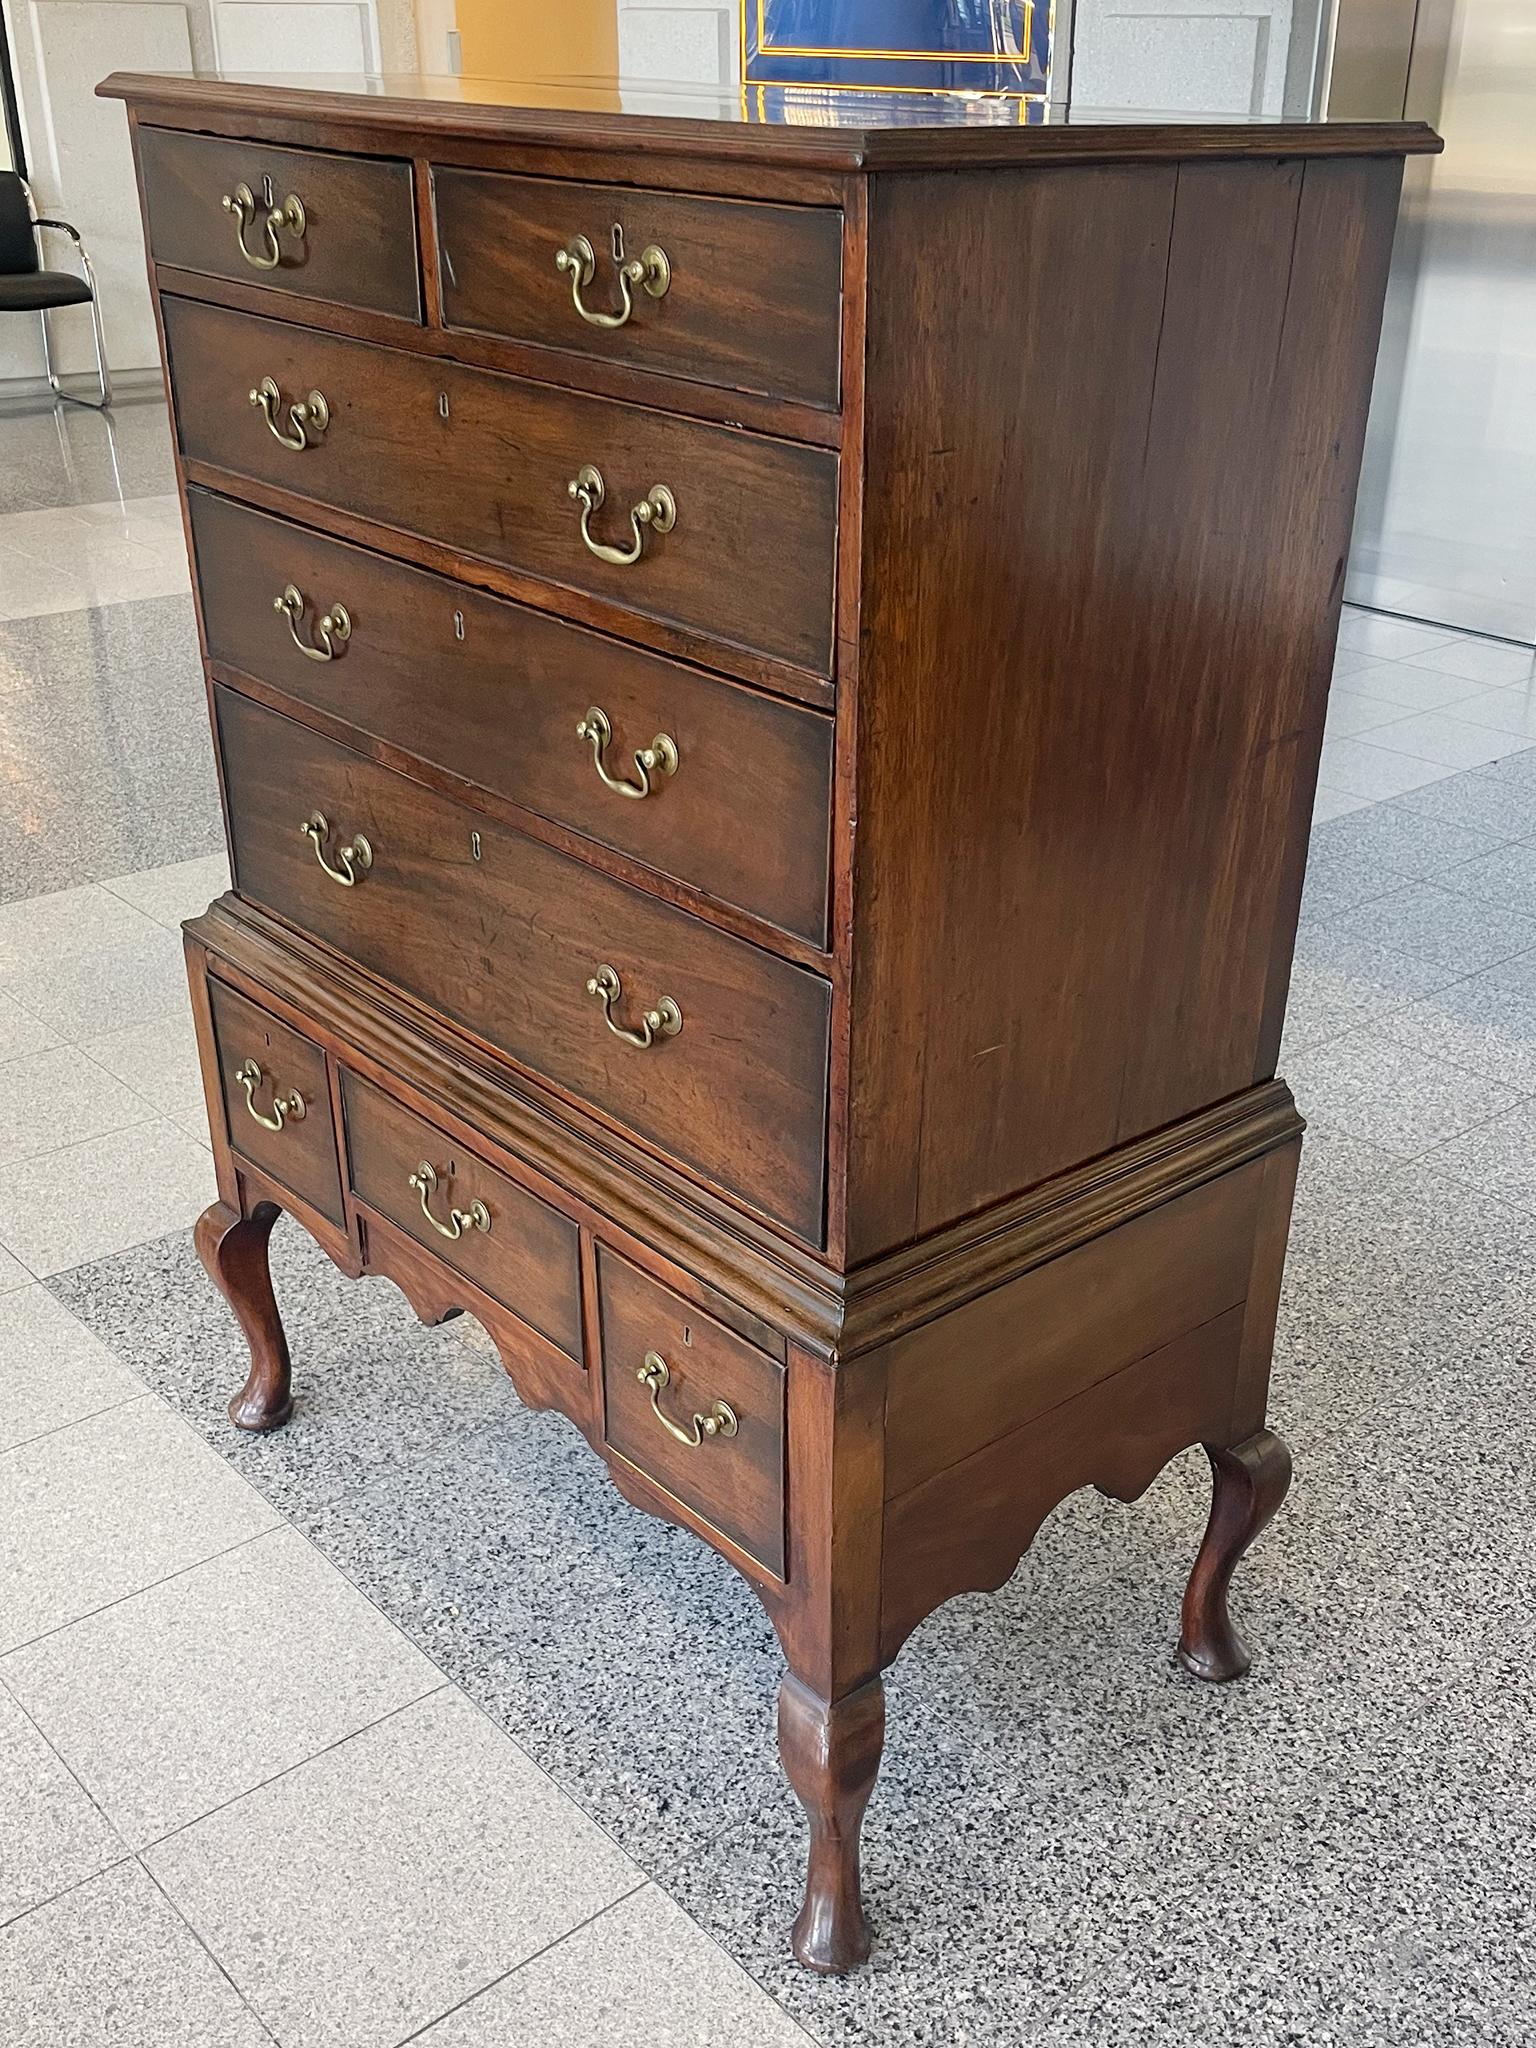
(392, 1727)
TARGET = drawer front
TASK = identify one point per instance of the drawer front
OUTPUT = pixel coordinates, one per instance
(510, 1244)
(277, 1103)
(506, 942)
(494, 692)
(749, 560)
(733, 1476)
(752, 294)
(352, 239)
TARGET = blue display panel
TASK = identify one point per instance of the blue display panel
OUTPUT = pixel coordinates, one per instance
(920, 46)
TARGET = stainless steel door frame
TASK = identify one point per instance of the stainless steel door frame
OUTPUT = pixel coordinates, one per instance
(1446, 523)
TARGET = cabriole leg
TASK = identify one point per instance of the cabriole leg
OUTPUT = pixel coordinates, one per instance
(233, 1248)
(1249, 1484)
(831, 1752)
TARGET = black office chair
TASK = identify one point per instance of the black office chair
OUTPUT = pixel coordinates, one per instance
(25, 287)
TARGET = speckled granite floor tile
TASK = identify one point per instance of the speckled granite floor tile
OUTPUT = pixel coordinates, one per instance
(1413, 846)
(70, 455)
(640, 1973)
(1375, 1089)
(1482, 1024)
(1070, 1842)
(1514, 768)
(1340, 983)
(267, 1638)
(105, 708)
(1429, 921)
(1506, 878)
(1499, 1157)
(111, 1965)
(356, 1899)
(1503, 805)
(52, 1835)
(1340, 881)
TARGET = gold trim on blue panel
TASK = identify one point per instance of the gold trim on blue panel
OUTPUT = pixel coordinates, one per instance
(1019, 55)
(1023, 101)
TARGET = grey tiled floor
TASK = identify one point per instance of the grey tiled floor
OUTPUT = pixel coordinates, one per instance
(400, 1726)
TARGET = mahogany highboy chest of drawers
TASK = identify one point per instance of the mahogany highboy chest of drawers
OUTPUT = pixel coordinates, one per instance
(767, 683)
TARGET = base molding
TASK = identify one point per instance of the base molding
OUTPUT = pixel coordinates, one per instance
(596, 1173)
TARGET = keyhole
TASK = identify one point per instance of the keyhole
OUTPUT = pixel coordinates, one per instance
(442, 403)
(474, 844)
(458, 625)
(687, 1333)
(268, 191)
(618, 243)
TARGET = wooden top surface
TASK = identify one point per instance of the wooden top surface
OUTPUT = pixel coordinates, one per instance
(830, 131)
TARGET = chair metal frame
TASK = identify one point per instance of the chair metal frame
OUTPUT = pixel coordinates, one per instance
(103, 375)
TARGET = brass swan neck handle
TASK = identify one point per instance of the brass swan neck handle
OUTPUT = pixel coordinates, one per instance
(655, 513)
(289, 215)
(650, 270)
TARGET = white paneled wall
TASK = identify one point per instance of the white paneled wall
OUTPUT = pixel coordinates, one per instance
(77, 145)
(658, 39)
(79, 161)
(295, 35)
(1185, 56)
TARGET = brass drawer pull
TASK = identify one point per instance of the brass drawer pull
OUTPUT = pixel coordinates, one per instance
(290, 215)
(333, 629)
(659, 758)
(720, 1421)
(650, 270)
(284, 1107)
(665, 1021)
(307, 417)
(475, 1217)
(352, 860)
(655, 513)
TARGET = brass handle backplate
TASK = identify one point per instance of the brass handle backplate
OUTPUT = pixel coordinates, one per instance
(285, 1108)
(333, 629)
(665, 1021)
(475, 1217)
(352, 860)
(650, 270)
(241, 203)
(659, 758)
(308, 417)
(721, 1420)
(655, 513)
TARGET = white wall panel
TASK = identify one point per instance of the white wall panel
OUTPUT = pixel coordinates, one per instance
(77, 146)
(1182, 56)
(294, 35)
(693, 45)
(79, 159)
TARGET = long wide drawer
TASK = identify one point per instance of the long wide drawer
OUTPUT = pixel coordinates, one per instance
(730, 291)
(345, 228)
(497, 693)
(509, 1243)
(486, 464)
(562, 968)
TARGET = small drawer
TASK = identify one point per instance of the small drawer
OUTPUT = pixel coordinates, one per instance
(345, 226)
(720, 532)
(730, 292)
(510, 1244)
(513, 691)
(694, 1407)
(277, 1103)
